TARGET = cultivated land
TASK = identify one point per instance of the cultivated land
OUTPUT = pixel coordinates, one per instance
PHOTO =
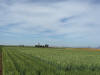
(50, 61)
(0, 60)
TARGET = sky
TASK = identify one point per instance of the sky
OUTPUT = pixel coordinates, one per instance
(67, 23)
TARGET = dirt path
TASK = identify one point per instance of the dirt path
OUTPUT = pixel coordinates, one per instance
(0, 64)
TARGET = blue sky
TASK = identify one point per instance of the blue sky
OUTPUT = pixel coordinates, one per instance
(72, 23)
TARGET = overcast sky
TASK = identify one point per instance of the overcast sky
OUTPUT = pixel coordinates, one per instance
(73, 23)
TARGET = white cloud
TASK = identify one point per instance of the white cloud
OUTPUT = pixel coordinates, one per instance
(34, 18)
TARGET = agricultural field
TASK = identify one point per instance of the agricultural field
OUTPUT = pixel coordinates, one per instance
(0, 60)
(50, 61)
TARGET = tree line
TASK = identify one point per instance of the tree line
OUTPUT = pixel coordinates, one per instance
(42, 46)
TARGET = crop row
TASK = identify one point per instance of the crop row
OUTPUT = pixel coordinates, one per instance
(26, 61)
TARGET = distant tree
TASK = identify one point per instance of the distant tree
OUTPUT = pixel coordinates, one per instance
(46, 45)
(35, 45)
(42, 46)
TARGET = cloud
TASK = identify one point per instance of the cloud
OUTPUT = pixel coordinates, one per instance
(70, 19)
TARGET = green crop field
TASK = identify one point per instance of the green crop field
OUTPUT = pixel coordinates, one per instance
(50, 61)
